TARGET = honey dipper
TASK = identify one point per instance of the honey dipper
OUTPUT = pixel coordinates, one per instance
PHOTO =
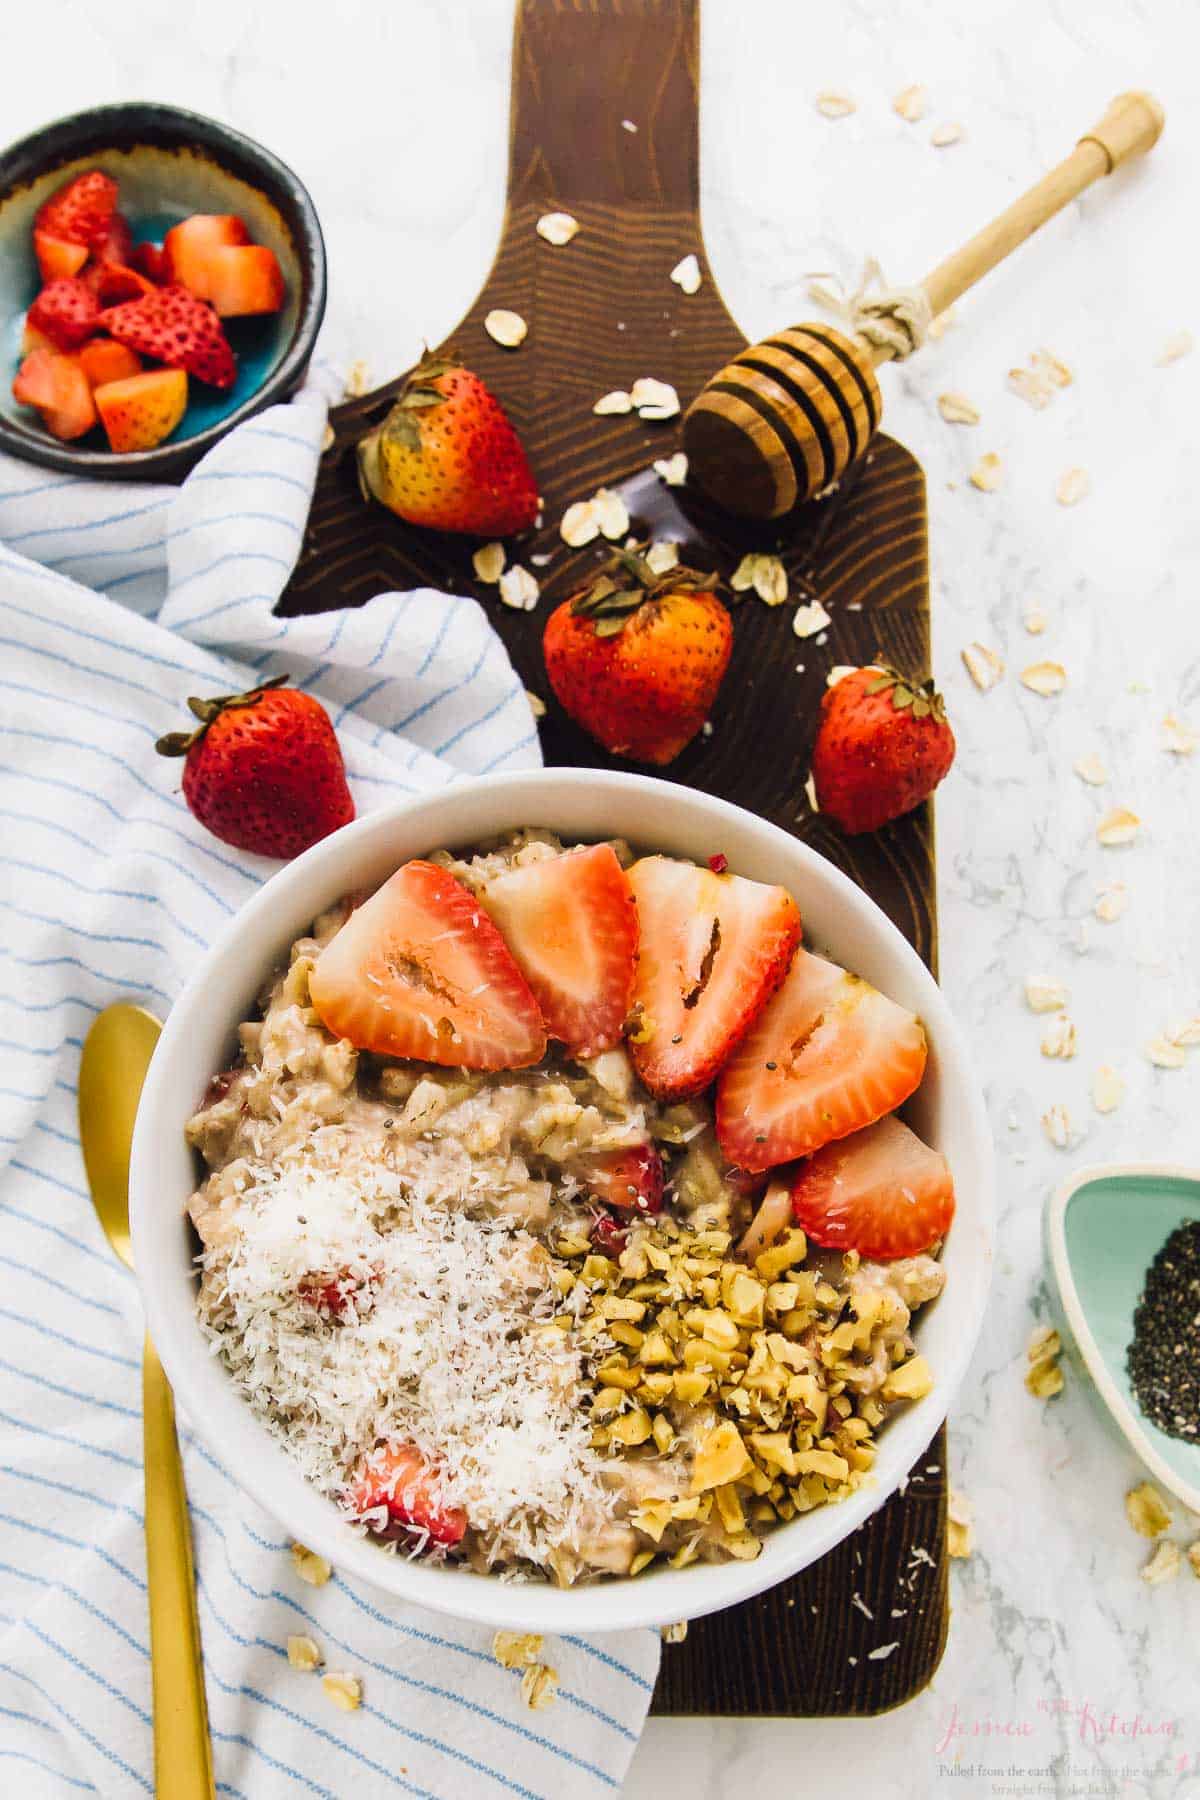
(785, 420)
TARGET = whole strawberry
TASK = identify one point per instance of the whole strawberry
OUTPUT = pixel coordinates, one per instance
(883, 744)
(263, 770)
(447, 457)
(636, 658)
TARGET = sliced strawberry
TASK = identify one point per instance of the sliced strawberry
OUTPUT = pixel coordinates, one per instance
(571, 923)
(116, 246)
(67, 312)
(188, 246)
(175, 328)
(244, 279)
(881, 1192)
(80, 211)
(395, 1476)
(713, 949)
(140, 411)
(419, 971)
(58, 387)
(102, 360)
(57, 257)
(629, 1179)
(829, 1055)
(112, 282)
(148, 260)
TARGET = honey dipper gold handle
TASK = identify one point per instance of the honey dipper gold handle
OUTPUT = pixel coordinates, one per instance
(1130, 127)
(182, 1753)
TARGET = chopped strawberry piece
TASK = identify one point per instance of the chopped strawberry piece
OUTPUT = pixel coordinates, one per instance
(112, 282)
(395, 1476)
(609, 1235)
(881, 1192)
(140, 411)
(148, 260)
(333, 1294)
(116, 246)
(571, 923)
(244, 279)
(58, 387)
(188, 246)
(33, 339)
(102, 360)
(420, 971)
(175, 328)
(57, 257)
(630, 1179)
(718, 863)
(829, 1055)
(713, 949)
(67, 312)
(80, 211)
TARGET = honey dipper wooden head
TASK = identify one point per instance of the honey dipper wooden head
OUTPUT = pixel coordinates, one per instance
(788, 417)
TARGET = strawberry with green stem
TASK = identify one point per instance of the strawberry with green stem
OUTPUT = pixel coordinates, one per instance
(883, 744)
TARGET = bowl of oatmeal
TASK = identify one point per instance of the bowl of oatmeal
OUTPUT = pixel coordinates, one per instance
(564, 1202)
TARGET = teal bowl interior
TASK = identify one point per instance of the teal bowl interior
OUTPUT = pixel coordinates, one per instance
(1110, 1227)
(167, 164)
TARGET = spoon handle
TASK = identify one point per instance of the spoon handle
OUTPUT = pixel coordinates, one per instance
(182, 1752)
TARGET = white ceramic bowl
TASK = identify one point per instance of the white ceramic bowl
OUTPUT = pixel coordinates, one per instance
(579, 804)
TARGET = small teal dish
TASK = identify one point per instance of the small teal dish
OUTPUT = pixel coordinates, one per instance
(168, 163)
(1104, 1227)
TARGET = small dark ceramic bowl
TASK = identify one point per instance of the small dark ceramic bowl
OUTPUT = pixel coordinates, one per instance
(168, 163)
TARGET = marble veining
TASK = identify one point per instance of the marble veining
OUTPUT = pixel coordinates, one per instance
(396, 117)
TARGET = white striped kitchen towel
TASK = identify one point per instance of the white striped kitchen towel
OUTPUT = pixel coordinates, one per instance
(116, 602)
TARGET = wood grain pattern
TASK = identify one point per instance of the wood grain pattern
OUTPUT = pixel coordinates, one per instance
(602, 311)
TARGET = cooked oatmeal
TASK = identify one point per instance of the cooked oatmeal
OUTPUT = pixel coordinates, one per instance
(399, 1254)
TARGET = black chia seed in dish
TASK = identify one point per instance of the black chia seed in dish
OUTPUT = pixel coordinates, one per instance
(1164, 1355)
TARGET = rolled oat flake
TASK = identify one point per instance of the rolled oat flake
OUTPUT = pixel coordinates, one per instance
(1164, 1356)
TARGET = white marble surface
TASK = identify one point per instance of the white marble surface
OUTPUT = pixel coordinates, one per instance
(397, 117)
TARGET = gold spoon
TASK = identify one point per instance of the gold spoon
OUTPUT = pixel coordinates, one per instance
(116, 1055)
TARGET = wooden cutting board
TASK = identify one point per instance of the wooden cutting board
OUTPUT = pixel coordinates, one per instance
(601, 311)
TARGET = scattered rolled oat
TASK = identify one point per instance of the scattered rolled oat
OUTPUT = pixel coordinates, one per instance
(808, 620)
(612, 514)
(488, 562)
(882, 1651)
(984, 666)
(674, 1634)
(1044, 678)
(1111, 901)
(506, 328)
(834, 105)
(956, 409)
(1193, 1556)
(557, 227)
(943, 135)
(810, 794)
(628, 125)
(1164, 1565)
(1044, 993)
(1108, 1089)
(616, 402)
(304, 1654)
(519, 589)
(344, 1690)
(1056, 1123)
(1187, 1033)
(661, 557)
(1178, 736)
(1071, 487)
(771, 582)
(516, 1649)
(654, 399)
(1164, 1054)
(910, 103)
(1175, 347)
(686, 275)
(988, 473)
(1059, 1038)
(539, 1687)
(672, 469)
(579, 524)
(358, 380)
(1038, 383)
(1090, 768)
(309, 1566)
(1035, 619)
(1120, 826)
(960, 1524)
(537, 705)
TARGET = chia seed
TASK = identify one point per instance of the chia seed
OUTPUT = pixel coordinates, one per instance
(1163, 1358)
